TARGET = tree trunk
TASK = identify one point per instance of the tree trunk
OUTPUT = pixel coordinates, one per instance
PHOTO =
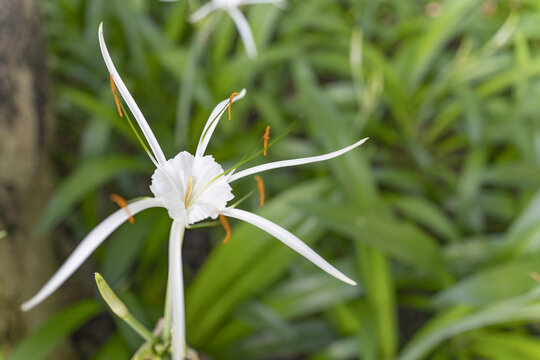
(26, 125)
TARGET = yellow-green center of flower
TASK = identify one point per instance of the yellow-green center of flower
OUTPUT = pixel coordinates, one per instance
(191, 188)
(189, 191)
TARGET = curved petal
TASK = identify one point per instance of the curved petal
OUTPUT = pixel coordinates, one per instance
(245, 32)
(294, 162)
(177, 290)
(288, 239)
(202, 12)
(251, 2)
(87, 247)
(143, 124)
(212, 122)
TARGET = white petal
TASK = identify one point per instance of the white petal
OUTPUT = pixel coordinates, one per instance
(212, 122)
(143, 124)
(87, 247)
(245, 32)
(202, 12)
(177, 290)
(209, 194)
(251, 2)
(288, 239)
(293, 162)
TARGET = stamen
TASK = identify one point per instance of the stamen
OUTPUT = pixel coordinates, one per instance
(230, 102)
(266, 138)
(113, 89)
(260, 186)
(122, 203)
(227, 227)
(189, 191)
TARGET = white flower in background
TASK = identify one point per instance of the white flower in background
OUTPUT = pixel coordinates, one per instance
(231, 7)
(192, 188)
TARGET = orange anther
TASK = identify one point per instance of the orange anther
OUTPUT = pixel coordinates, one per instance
(266, 137)
(113, 89)
(260, 187)
(230, 102)
(121, 202)
(225, 223)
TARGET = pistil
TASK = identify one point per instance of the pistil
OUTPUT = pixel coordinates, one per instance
(189, 191)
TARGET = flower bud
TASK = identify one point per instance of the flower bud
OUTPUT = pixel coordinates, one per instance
(116, 305)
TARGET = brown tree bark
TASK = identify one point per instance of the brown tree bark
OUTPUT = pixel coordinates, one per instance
(26, 125)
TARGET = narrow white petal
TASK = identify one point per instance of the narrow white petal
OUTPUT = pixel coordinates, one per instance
(288, 239)
(202, 12)
(245, 32)
(87, 247)
(177, 290)
(143, 124)
(251, 2)
(293, 162)
(212, 122)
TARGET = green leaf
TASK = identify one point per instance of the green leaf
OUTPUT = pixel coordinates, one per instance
(41, 342)
(461, 319)
(436, 34)
(351, 169)
(305, 337)
(505, 345)
(426, 213)
(113, 349)
(490, 285)
(397, 239)
(341, 349)
(310, 294)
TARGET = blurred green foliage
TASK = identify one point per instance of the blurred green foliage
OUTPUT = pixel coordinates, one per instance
(437, 215)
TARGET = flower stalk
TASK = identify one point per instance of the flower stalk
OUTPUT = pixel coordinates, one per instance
(176, 283)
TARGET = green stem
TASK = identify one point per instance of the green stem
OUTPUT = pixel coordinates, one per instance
(139, 328)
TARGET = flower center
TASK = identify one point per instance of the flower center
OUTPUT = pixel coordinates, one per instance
(191, 188)
(189, 191)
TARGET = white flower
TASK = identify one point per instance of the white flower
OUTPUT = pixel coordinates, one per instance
(231, 7)
(192, 188)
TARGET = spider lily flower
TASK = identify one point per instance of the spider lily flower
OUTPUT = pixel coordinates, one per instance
(231, 7)
(191, 188)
